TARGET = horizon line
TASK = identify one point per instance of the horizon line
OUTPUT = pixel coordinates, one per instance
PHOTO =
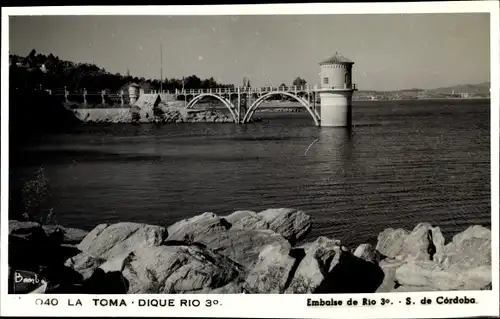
(236, 85)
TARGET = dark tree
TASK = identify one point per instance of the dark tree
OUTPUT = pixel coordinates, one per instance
(299, 82)
(25, 72)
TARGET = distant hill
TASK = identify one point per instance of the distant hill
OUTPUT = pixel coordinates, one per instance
(482, 88)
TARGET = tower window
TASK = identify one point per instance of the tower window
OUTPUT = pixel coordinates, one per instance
(325, 80)
(347, 78)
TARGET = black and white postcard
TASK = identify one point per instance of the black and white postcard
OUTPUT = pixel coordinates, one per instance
(260, 161)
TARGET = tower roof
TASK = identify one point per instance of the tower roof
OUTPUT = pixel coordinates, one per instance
(336, 59)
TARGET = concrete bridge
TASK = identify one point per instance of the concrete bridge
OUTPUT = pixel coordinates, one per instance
(335, 94)
(242, 102)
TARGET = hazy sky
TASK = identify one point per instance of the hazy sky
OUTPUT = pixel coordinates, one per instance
(391, 51)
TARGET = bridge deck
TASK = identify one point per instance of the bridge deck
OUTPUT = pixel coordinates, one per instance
(267, 89)
(234, 90)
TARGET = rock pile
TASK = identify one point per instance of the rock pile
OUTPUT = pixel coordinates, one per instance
(176, 113)
(246, 252)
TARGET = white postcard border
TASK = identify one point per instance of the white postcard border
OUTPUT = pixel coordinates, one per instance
(262, 306)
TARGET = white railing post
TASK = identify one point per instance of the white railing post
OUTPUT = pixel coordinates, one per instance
(65, 94)
(84, 97)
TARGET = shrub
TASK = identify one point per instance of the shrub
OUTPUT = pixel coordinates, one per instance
(34, 195)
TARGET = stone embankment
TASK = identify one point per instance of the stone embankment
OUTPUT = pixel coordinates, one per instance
(245, 252)
(170, 112)
(150, 108)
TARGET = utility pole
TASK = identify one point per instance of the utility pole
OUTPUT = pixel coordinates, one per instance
(161, 68)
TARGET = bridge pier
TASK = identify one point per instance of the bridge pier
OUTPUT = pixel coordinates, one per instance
(336, 108)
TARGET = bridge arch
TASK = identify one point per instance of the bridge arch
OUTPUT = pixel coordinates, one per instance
(224, 101)
(258, 102)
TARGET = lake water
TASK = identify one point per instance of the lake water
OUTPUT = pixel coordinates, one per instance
(402, 163)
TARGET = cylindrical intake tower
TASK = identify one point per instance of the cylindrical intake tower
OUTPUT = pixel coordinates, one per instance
(336, 91)
(133, 93)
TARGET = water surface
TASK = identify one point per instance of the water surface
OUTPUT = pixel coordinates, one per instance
(402, 163)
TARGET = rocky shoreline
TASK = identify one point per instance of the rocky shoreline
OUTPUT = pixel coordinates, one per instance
(153, 110)
(162, 113)
(244, 252)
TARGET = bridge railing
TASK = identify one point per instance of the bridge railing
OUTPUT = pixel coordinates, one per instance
(242, 89)
(340, 87)
(265, 89)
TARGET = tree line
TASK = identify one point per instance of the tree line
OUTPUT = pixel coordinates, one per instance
(50, 72)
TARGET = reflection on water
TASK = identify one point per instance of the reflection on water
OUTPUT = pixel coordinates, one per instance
(399, 165)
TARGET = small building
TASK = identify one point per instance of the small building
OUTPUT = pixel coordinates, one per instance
(133, 92)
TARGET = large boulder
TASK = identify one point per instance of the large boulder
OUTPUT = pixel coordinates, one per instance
(174, 269)
(72, 236)
(247, 219)
(431, 275)
(197, 228)
(422, 243)
(478, 278)
(27, 230)
(291, 223)
(389, 267)
(240, 244)
(463, 264)
(106, 241)
(352, 275)
(272, 270)
(244, 246)
(390, 242)
(30, 247)
(425, 273)
(317, 261)
(367, 252)
(84, 264)
(468, 250)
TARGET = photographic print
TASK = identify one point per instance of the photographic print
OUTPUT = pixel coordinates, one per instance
(343, 159)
